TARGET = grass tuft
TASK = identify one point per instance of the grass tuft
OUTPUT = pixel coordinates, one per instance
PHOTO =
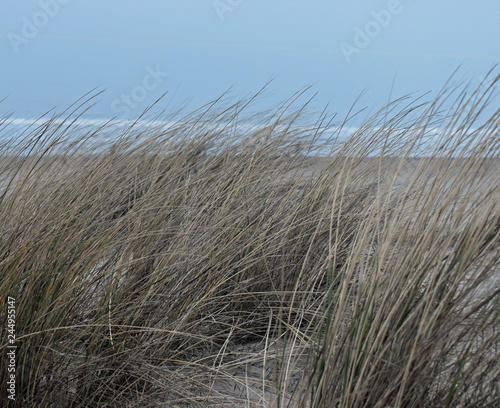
(215, 264)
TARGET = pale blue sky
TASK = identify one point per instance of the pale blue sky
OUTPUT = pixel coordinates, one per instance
(53, 51)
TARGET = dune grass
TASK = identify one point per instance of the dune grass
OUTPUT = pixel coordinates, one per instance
(204, 265)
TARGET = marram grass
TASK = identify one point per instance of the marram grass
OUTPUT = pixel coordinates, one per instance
(197, 267)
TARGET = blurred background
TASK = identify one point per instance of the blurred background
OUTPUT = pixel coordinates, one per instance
(54, 51)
